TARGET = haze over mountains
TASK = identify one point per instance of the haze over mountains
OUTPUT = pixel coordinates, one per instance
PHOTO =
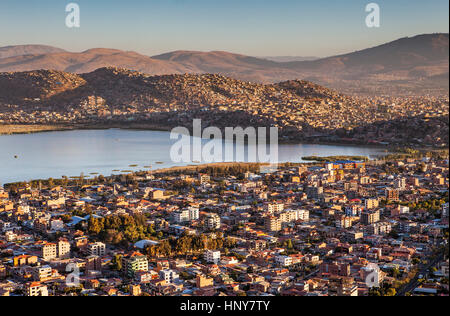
(416, 65)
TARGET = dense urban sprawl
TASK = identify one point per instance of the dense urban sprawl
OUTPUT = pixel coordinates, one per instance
(344, 228)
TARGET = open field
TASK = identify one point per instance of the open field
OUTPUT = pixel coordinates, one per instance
(26, 129)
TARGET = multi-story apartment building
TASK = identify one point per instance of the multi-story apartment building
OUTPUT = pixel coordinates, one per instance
(392, 195)
(133, 263)
(42, 273)
(212, 221)
(344, 222)
(273, 224)
(63, 249)
(96, 249)
(187, 215)
(36, 289)
(49, 251)
(169, 275)
(275, 208)
(370, 217)
(371, 203)
(212, 256)
(383, 228)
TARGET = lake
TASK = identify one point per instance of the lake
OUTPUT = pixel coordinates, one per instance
(70, 153)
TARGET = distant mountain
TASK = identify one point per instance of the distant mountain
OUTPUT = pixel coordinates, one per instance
(91, 60)
(286, 59)
(416, 65)
(214, 62)
(21, 50)
(423, 55)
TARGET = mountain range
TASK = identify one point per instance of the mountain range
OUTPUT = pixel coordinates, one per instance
(416, 65)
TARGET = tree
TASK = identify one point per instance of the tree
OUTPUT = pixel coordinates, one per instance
(117, 262)
(95, 226)
(391, 292)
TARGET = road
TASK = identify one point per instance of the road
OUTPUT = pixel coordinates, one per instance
(414, 283)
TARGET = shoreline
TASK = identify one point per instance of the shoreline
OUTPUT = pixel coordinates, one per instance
(11, 129)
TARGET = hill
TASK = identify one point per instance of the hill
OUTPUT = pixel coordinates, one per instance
(303, 111)
(21, 50)
(409, 66)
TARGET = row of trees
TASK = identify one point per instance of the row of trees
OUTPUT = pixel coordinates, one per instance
(189, 244)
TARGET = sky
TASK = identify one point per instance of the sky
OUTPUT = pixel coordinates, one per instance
(251, 27)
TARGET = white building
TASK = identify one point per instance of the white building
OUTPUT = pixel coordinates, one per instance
(63, 249)
(284, 261)
(170, 276)
(97, 249)
(400, 184)
(445, 210)
(57, 225)
(187, 215)
(42, 273)
(212, 221)
(403, 209)
(275, 208)
(36, 289)
(212, 256)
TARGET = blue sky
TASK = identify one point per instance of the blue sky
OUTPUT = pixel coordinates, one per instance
(252, 27)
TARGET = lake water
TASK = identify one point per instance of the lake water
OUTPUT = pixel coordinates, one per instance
(70, 153)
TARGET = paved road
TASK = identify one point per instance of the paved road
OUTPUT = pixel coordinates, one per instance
(414, 283)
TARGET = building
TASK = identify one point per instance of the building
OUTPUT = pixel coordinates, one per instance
(63, 249)
(314, 192)
(284, 261)
(133, 263)
(202, 281)
(344, 222)
(204, 178)
(370, 217)
(3, 272)
(186, 215)
(294, 215)
(273, 224)
(275, 208)
(371, 204)
(392, 195)
(41, 224)
(212, 221)
(400, 184)
(445, 210)
(36, 289)
(336, 269)
(93, 263)
(97, 249)
(25, 260)
(135, 290)
(49, 251)
(42, 273)
(383, 228)
(57, 225)
(212, 256)
(157, 195)
(169, 275)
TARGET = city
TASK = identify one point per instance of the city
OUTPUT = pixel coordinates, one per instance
(224, 156)
(305, 230)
